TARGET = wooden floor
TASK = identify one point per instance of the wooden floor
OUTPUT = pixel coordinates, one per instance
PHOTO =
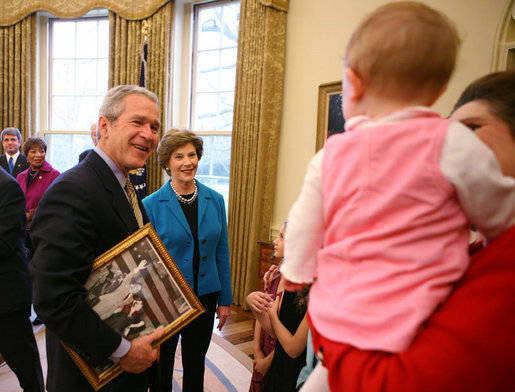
(239, 329)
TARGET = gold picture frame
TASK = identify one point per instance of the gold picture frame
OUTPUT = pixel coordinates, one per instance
(136, 287)
(330, 116)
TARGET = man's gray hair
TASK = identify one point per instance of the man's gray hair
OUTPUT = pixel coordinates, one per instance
(114, 104)
(11, 131)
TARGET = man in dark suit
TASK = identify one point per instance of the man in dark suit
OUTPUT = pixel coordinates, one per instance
(83, 214)
(17, 343)
(12, 161)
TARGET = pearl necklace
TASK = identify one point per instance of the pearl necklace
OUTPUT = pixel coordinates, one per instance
(183, 199)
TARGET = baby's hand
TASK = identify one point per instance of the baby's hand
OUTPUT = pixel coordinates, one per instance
(292, 286)
(259, 302)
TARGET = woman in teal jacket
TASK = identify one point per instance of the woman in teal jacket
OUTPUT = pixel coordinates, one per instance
(191, 221)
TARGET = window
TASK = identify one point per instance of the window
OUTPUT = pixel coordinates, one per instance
(214, 78)
(78, 71)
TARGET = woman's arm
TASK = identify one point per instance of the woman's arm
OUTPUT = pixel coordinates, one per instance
(293, 345)
(259, 303)
(258, 353)
(222, 313)
(261, 362)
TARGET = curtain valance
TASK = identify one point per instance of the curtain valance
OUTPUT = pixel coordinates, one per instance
(13, 11)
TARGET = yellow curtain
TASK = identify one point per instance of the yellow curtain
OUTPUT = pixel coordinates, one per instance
(12, 11)
(257, 116)
(125, 47)
(16, 75)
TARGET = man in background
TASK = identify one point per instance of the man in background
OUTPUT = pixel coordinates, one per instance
(12, 161)
(94, 139)
(17, 343)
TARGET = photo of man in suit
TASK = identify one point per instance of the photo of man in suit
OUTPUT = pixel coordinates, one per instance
(12, 160)
(17, 342)
(84, 213)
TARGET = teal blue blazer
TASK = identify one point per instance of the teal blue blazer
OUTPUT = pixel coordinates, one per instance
(165, 214)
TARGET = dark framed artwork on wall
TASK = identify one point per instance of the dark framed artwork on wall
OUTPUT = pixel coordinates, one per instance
(330, 118)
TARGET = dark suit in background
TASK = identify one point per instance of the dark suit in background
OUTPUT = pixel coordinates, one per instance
(17, 343)
(83, 214)
(20, 165)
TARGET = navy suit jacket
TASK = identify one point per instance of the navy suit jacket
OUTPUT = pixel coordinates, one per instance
(15, 284)
(20, 165)
(83, 214)
(167, 217)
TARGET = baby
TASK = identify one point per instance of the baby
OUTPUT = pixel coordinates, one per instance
(383, 218)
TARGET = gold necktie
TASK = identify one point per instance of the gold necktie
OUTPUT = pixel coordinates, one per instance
(129, 188)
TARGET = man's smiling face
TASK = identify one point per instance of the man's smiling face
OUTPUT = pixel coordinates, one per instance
(130, 139)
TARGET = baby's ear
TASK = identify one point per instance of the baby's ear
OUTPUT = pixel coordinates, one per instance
(357, 83)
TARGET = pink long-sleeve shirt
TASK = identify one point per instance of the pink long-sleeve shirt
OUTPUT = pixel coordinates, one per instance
(383, 220)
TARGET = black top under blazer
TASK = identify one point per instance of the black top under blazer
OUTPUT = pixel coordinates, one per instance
(83, 214)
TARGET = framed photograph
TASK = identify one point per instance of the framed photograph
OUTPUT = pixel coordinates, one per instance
(330, 115)
(136, 287)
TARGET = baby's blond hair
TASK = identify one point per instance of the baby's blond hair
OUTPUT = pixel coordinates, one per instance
(403, 48)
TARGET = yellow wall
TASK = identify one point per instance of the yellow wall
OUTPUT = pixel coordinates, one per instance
(317, 31)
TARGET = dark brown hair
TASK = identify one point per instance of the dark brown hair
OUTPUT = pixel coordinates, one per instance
(497, 91)
(32, 142)
(172, 140)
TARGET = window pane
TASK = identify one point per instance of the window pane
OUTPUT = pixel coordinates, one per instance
(63, 39)
(228, 72)
(64, 149)
(231, 18)
(86, 77)
(63, 74)
(214, 167)
(215, 67)
(86, 110)
(103, 43)
(102, 75)
(62, 106)
(79, 73)
(225, 111)
(87, 39)
(207, 71)
(213, 92)
(205, 111)
(209, 28)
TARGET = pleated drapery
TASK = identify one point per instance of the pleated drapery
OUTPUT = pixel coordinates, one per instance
(126, 38)
(17, 75)
(257, 117)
